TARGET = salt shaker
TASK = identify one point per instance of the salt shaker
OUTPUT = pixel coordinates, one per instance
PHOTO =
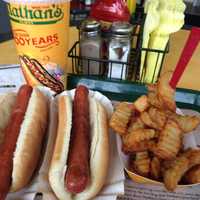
(119, 49)
(90, 46)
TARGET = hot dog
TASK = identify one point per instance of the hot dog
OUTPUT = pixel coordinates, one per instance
(23, 132)
(77, 174)
(80, 159)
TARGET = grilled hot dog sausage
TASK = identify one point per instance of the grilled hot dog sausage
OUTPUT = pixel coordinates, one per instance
(77, 175)
(11, 134)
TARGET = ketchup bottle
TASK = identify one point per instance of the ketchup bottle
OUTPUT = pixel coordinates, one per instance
(110, 10)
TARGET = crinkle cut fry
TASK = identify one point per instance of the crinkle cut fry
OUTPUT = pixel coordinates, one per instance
(135, 124)
(193, 175)
(194, 157)
(153, 96)
(142, 163)
(155, 168)
(139, 135)
(186, 123)
(158, 116)
(139, 146)
(121, 118)
(169, 142)
(141, 104)
(146, 119)
(165, 93)
(180, 166)
(173, 175)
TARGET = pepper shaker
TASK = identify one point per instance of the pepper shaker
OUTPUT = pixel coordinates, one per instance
(90, 47)
(119, 49)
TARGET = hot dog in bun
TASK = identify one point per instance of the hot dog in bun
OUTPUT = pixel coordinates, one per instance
(80, 159)
(25, 117)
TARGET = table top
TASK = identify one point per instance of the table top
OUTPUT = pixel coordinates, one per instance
(189, 79)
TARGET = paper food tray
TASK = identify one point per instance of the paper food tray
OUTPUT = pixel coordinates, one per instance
(114, 184)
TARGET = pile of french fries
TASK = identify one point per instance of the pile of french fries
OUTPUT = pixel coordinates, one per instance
(152, 134)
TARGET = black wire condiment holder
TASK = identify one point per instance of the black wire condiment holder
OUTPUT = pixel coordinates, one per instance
(131, 69)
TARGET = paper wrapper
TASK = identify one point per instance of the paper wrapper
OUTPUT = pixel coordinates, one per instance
(114, 184)
(190, 140)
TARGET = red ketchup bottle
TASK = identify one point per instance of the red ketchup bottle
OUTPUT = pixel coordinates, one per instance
(110, 11)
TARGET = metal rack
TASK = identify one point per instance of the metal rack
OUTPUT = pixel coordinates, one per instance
(132, 67)
(103, 63)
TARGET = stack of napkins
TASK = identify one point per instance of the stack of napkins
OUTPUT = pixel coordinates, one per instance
(11, 78)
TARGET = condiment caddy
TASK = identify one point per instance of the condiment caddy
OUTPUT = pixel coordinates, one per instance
(113, 53)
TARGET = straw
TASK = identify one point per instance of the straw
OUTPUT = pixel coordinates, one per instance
(186, 55)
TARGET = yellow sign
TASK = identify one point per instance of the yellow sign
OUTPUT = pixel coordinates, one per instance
(40, 31)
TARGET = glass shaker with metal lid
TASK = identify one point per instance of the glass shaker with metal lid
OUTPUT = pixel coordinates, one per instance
(119, 49)
(90, 46)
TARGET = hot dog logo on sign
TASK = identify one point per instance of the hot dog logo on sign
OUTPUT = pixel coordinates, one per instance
(35, 74)
(23, 14)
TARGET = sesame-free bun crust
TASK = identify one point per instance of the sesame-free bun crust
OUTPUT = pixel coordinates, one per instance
(99, 150)
(29, 142)
(7, 102)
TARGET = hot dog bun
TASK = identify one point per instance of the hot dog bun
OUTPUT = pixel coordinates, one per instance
(29, 143)
(7, 102)
(31, 134)
(99, 149)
